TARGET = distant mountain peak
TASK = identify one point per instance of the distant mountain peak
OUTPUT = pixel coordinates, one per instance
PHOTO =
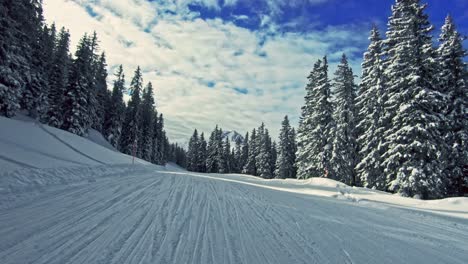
(232, 135)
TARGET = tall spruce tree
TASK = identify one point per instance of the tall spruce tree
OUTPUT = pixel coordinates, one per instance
(202, 154)
(263, 157)
(213, 152)
(115, 110)
(250, 164)
(237, 168)
(103, 96)
(370, 171)
(14, 55)
(415, 151)
(145, 143)
(58, 78)
(344, 151)
(454, 84)
(227, 158)
(130, 128)
(34, 97)
(285, 164)
(76, 113)
(316, 125)
(193, 152)
(274, 158)
(245, 153)
(155, 144)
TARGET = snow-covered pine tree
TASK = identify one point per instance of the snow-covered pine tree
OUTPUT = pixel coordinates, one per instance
(250, 164)
(415, 150)
(285, 164)
(202, 154)
(163, 142)
(237, 156)
(146, 123)
(35, 95)
(58, 78)
(76, 113)
(245, 153)
(344, 151)
(154, 138)
(13, 58)
(92, 96)
(227, 158)
(371, 125)
(316, 125)
(130, 129)
(193, 152)
(263, 158)
(115, 110)
(454, 84)
(103, 96)
(212, 160)
(274, 158)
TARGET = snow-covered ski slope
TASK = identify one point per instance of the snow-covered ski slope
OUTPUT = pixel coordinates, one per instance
(62, 213)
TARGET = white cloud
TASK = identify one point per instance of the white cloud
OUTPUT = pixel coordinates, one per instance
(196, 65)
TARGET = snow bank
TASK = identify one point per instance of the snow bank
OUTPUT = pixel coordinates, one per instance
(25, 143)
(457, 207)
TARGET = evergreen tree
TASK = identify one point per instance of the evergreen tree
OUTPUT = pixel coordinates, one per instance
(414, 148)
(454, 85)
(14, 63)
(245, 153)
(212, 160)
(155, 144)
(94, 104)
(76, 114)
(146, 123)
(371, 125)
(130, 128)
(227, 158)
(343, 158)
(58, 78)
(285, 164)
(162, 153)
(237, 156)
(35, 95)
(202, 154)
(193, 152)
(102, 93)
(115, 110)
(274, 158)
(263, 158)
(316, 126)
(250, 165)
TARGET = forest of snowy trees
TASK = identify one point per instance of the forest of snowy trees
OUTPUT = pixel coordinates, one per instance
(39, 76)
(404, 129)
(255, 154)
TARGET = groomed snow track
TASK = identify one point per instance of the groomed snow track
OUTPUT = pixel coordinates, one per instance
(152, 216)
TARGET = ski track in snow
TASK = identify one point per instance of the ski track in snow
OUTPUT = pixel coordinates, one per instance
(176, 217)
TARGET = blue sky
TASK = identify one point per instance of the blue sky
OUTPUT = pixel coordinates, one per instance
(235, 63)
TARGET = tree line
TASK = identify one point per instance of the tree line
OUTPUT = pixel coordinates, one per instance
(255, 154)
(39, 76)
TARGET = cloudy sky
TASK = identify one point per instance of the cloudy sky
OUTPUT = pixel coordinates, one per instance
(235, 63)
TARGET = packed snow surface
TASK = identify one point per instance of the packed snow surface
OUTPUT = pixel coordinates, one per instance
(62, 206)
